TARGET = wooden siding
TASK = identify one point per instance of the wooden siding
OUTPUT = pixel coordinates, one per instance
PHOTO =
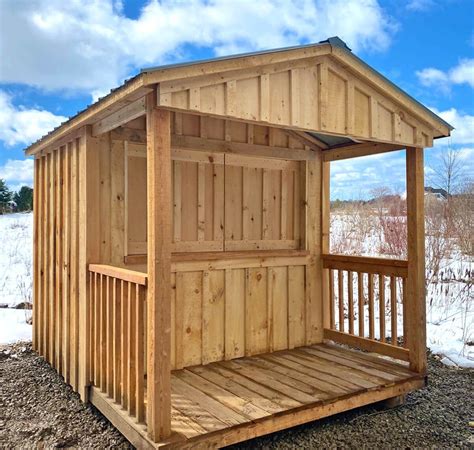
(315, 94)
(229, 310)
(56, 259)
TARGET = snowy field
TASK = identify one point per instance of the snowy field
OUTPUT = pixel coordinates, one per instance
(450, 305)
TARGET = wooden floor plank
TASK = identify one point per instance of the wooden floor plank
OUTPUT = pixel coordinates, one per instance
(325, 390)
(340, 372)
(217, 409)
(318, 382)
(366, 359)
(269, 379)
(243, 407)
(182, 424)
(231, 386)
(272, 395)
(349, 363)
(194, 412)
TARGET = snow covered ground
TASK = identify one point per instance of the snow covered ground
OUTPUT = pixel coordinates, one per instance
(450, 302)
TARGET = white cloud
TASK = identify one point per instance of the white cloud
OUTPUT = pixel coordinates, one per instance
(17, 173)
(463, 73)
(90, 45)
(19, 125)
(463, 124)
(420, 5)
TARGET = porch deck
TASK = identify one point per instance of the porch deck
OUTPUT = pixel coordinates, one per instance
(230, 401)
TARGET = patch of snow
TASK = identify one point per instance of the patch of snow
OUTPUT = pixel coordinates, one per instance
(13, 326)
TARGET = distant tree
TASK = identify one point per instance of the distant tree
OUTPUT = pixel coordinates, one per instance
(5, 197)
(24, 199)
(449, 173)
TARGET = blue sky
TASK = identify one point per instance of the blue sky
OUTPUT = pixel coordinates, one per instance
(57, 57)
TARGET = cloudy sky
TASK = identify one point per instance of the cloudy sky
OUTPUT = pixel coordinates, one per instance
(58, 56)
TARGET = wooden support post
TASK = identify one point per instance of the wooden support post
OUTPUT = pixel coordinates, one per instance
(159, 270)
(89, 249)
(325, 225)
(314, 270)
(415, 296)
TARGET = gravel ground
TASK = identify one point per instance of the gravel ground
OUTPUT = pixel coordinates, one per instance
(38, 410)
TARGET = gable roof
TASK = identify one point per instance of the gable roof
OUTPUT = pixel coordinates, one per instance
(207, 72)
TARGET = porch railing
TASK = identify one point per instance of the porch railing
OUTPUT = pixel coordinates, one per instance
(367, 302)
(117, 335)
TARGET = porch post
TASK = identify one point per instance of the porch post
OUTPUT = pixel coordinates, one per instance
(159, 269)
(325, 235)
(415, 295)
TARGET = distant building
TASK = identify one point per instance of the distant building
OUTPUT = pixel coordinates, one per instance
(440, 194)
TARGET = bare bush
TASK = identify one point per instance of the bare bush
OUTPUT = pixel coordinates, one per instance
(462, 209)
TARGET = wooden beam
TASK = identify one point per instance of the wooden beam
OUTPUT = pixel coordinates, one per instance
(159, 269)
(415, 296)
(325, 227)
(89, 250)
(123, 115)
(356, 150)
(369, 345)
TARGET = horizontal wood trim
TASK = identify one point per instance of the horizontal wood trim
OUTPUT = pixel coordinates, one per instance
(356, 150)
(262, 245)
(384, 266)
(119, 273)
(239, 263)
(239, 148)
(367, 344)
(215, 256)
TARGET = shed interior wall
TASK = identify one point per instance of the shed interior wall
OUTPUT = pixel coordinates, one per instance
(241, 303)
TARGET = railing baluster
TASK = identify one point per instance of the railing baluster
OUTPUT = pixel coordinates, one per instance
(404, 309)
(110, 330)
(131, 349)
(116, 338)
(97, 330)
(340, 297)
(350, 299)
(91, 327)
(393, 310)
(382, 307)
(140, 349)
(331, 300)
(124, 334)
(360, 293)
(371, 307)
(103, 328)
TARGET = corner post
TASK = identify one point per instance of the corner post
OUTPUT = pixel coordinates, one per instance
(415, 295)
(159, 269)
(89, 250)
(325, 229)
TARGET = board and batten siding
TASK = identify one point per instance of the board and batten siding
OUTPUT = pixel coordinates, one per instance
(316, 94)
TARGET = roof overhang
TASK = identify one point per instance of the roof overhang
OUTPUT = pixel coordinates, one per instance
(215, 69)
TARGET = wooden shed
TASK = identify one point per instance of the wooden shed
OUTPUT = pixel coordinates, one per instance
(183, 282)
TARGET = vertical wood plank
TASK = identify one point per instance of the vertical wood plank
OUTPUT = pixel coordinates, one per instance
(371, 307)
(124, 287)
(382, 307)
(325, 226)
(415, 294)
(58, 260)
(393, 310)
(350, 300)
(117, 300)
(360, 294)
(201, 201)
(52, 257)
(213, 287)
(296, 307)
(340, 297)
(234, 313)
(265, 97)
(159, 269)
(36, 271)
(139, 352)
(131, 332)
(256, 316)
(332, 309)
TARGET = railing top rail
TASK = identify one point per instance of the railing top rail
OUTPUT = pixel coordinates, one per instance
(120, 273)
(387, 266)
